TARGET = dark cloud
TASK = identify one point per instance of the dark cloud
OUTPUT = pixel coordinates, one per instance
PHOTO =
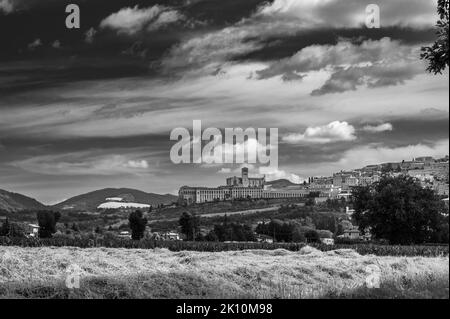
(374, 76)
(371, 63)
(284, 46)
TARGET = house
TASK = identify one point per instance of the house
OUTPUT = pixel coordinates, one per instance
(345, 195)
(264, 239)
(367, 236)
(170, 236)
(349, 211)
(351, 233)
(32, 230)
(125, 234)
(446, 202)
(327, 241)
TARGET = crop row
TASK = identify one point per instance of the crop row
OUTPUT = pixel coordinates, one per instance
(363, 249)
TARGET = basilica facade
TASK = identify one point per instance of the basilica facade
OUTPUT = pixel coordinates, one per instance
(243, 187)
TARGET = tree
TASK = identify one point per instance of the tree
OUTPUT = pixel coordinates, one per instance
(231, 232)
(298, 236)
(47, 223)
(438, 54)
(5, 229)
(312, 236)
(17, 230)
(400, 210)
(387, 169)
(278, 230)
(324, 233)
(189, 225)
(137, 223)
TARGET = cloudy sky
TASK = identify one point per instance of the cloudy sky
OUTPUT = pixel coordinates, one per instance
(88, 108)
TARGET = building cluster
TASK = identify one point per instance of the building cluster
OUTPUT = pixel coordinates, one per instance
(236, 188)
(431, 172)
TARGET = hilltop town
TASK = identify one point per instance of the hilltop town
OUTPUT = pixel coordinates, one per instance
(432, 173)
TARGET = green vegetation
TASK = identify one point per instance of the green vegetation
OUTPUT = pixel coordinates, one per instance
(401, 211)
(137, 225)
(109, 240)
(438, 54)
(231, 232)
(13, 202)
(12, 229)
(47, 222)
(189, 224)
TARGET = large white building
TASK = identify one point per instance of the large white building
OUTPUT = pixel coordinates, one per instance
(243, 187)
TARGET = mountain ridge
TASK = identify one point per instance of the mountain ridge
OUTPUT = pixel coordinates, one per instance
(281, 183)
(91, 200)
(14, 202)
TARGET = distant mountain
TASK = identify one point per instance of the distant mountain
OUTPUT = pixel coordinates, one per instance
(92, 200)
(281, 183)
(13, 202)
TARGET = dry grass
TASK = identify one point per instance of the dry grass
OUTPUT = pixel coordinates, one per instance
(122, 273)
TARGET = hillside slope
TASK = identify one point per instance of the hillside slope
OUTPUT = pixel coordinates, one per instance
(92, 200)
(280, 183)
(13, 202)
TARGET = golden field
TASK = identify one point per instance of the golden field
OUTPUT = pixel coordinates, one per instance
(159, 273)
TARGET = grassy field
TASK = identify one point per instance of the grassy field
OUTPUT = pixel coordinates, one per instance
(159, 273)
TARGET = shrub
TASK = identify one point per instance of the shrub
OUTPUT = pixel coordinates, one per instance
(112, 241)
(137, 224)
(47, 222)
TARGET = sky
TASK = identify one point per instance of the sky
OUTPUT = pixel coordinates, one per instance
(90, 108)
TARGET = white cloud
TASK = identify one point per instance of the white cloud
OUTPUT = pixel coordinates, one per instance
(370, 154)
(89, 35)
(373, 63)
(56, 44)
(130, 20)
(378, 128)
(239, 150)
(164, 19)
(208, 52)
(152, 106)
(275, 174)
(224, 170)
(83, 163)
(333, 132)
(6, 6)
(137, 164)
(350, 13)
(290, 17)
(374, 153)
(133, 20)
(35, 44)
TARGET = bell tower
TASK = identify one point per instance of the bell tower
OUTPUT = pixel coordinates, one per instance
(245, 181)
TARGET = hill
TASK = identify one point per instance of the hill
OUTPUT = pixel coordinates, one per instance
(281, 183)
(92, 200)
(13, 202)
